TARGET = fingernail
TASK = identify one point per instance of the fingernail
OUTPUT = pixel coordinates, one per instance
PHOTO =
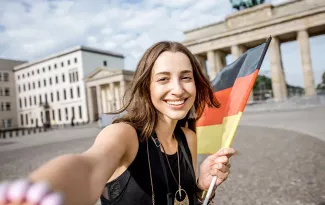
(37, 191)
(17, 190)
(3, 191)
(53, 199)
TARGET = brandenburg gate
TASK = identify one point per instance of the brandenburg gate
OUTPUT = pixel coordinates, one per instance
(295, 20)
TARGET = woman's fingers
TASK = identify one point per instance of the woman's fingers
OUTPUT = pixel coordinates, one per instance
(37, 192)
(221, 167)
(17, 190)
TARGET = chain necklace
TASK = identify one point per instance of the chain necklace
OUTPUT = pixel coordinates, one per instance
(185, 201)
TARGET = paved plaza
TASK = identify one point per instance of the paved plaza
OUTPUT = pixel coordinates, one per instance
(280, 157)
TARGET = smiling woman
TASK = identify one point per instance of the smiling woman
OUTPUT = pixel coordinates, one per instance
(145, 157)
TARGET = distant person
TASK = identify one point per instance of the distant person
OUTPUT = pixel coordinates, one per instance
(147, 156)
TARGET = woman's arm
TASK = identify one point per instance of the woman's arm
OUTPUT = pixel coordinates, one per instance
(82, 177)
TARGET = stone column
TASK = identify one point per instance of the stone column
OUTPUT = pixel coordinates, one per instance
(104, 99)
(112, 91)
(216, 61)
(99, 100)
(236, 52)
(307, 70)
(201, 60)
(277, 75)
(90, 104)
(122, 91)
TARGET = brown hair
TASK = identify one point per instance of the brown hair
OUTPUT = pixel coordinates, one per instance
(140, 112)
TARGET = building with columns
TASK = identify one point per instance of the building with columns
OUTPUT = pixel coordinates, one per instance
(294, 20)
(52, 89)
(105, 89)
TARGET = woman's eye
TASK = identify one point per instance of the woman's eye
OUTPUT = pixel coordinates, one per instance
(187, 78)
(162, 79)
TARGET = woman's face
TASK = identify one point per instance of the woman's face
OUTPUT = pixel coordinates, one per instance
(172, 86)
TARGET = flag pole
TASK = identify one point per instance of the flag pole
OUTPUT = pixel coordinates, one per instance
(227, 144)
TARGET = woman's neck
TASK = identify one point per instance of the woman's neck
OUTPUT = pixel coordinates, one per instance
(165, 129)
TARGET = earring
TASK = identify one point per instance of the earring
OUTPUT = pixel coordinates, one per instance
(192, 114)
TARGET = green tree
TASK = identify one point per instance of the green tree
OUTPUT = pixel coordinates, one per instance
(244, 4)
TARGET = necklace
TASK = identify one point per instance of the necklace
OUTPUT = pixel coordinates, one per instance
(177, 201)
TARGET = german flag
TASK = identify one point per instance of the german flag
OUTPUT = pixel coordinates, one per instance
(232, 86)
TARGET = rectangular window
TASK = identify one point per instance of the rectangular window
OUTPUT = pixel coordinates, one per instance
(52, 97)
(72, 112)
(71, 93)
(20, 104)
(53, 115)
(40, 99)
(49, 68)
(5, 77)
(1, 91)
(39, 84)
(45, 97)
(58, 96)
(43, 70)
(2, 107)
(80, 112)
(7, 92)
(8, 106)
(78, 92)
(70, 78)
(44, 82)
(105, 63)
(50, 81)
(24, 87)
(59, 112)
(26, 116)
(68, 62)
(30, 101)
(77, 77)
(22, 120)
(75, 60)
(56, 79)
(63, 78)
(66, 114)
(1, 76)
(28, 86)
(34, 100)
(55, 66)
(64, 94)
(62, 64)
(18, 90)
(33, 85)
(25, 102)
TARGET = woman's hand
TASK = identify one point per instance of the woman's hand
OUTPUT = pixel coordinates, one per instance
(23, 192)
(215, 165)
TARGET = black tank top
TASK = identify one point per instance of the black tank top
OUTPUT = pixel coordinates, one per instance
(133, 186)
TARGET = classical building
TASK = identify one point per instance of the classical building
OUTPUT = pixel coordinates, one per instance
(52, 90)
(8, 109)
(105, 89)
(294, 20)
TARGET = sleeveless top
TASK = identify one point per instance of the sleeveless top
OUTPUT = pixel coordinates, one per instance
(133, 186)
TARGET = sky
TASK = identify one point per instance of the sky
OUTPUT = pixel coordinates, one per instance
(34, 29)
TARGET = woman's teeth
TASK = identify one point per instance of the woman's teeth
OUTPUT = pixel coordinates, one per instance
(176, 102)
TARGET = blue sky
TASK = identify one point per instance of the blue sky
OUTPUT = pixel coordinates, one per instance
(33, 29)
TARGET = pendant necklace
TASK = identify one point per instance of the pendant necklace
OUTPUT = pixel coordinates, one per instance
(178, 199)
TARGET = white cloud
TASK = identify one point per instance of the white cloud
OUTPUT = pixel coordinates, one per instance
(37, 28)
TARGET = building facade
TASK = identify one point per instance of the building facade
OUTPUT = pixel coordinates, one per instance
(8, 109)
(52, 90)
(105, 90)
(291, 21)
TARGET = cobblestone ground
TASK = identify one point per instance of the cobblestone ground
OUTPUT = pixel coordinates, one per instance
(273, 166)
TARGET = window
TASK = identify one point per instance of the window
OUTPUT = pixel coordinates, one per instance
(22, 120)
(66, 114)
(26, 119)
(70, 77)
(27, 74)
(1, 92)
(43, 70)
(55, 66)
(49, 68)
(7, 92)
(20, 105)
(71, 93)
(63, 79)
(34, 100)
(105, 63)
(23, 76)
(37, 71)
(24, 87)
(68, 62)
(53, 115)
(18, 89)
(59, 112)
(44, 81)
(28, 86)
(33, 85)
(17, 77)
(32, 72)
(64, 94)
(45, 98)
(62, 64)
(8, 106)
(0, 76)
(5, 77)
(30, 101)
(80, 112)
(78, 92)
(72, 112)
(39, 84)
(56, 79)
(77, 77)
(52, 97)
(40, 99)
(50, 81)
(2, 106)
(58, 96)
(75, 60)
(25, 102)
(73, 77)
